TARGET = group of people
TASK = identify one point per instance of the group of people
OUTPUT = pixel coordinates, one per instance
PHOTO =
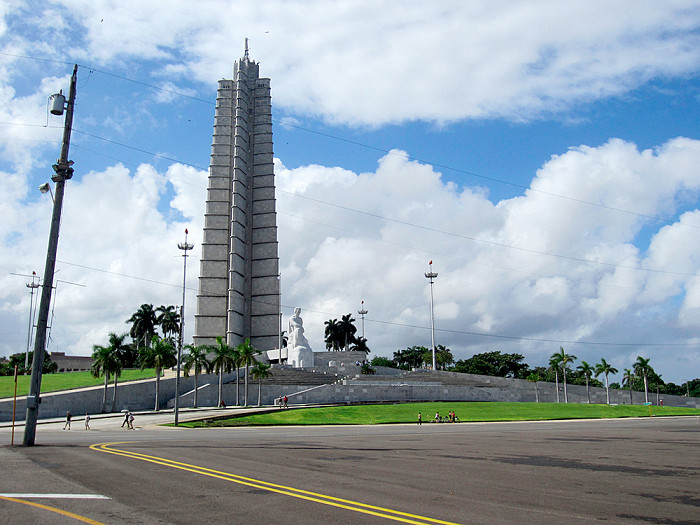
(128, 420)
(282, 401)
(450, 418)
(69, 416)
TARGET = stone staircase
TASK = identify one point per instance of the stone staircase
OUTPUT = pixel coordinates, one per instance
(298, 376)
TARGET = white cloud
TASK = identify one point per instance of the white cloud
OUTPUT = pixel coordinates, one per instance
(598, 291)
(369, 63)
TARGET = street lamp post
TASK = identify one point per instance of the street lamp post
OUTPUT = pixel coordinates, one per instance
(63, 172)
(432, 275)
(362, 312)
(185, 246)
(32, 286)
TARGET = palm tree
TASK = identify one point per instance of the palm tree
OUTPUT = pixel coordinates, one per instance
(642, 368)
(554, 361)
(347, 330)
(332, 335)
(196, 357)
(105, 362)
(656, 380)
(143, 325)
(260, 371)
(360, 345)
(564, 360)
(246, 353)
(605, 368)
(160, 354)
(534, 378)
(587, 371)
(223, 362)
(121, 352)
(168, 319)
(628, 380)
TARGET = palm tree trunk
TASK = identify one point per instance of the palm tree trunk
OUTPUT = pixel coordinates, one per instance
(566, 395)
(588, 391)
(195, 389)
(646, 389)
(157, 388)
(238, 403)
(259, 389)
(631, 393)
(221, 385)
(607, 390)
(556, 383)
(114, 393)
(245, 391)
(104, 394)
(537, 393)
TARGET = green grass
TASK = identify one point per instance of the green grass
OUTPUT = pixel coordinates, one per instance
(66, 381)
(408, 413)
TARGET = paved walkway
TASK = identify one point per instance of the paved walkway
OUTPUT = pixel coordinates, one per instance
(141, 418)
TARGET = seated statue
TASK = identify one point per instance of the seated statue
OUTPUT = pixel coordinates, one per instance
(299, 353)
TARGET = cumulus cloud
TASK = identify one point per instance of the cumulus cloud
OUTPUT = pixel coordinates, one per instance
(371, 63)
(536, 267)
(532, 268)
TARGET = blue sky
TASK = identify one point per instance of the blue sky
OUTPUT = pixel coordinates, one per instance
(544, 157)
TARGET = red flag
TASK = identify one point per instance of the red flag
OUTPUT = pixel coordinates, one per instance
(431, 262)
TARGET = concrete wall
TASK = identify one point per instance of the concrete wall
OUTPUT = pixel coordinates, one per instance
(364, 390)
(139, 395)
(134, 395)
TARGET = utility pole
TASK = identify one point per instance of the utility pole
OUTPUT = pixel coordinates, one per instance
(185, 246)
(432, 275)
(63, 172)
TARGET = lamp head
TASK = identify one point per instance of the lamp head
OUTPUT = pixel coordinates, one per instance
(44, 188)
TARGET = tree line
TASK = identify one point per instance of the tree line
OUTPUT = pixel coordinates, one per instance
(342, 335)
(153, 344)
(640, 377)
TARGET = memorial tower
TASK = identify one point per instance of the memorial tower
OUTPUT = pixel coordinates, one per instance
(238, 295)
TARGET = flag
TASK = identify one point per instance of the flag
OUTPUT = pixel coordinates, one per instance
(431, 262)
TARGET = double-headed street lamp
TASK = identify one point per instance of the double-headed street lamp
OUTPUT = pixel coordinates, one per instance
(63, 172)
(184, 246)
(32, 286)
(362, 312)
(432, 275)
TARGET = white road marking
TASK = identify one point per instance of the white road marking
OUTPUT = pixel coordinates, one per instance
(52, 496)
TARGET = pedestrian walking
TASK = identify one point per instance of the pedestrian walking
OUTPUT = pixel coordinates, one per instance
(285, 402)
(87, 421)
(67, 425)
(131, 421)
(420, 418)
(126, 419)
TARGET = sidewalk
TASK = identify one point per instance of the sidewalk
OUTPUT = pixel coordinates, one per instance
(142, 418)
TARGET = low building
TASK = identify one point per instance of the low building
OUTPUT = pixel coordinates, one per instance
(71, 363)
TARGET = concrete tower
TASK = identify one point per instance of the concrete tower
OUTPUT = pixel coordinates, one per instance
(238, 293)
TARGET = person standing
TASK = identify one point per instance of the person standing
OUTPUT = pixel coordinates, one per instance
(420, 418)
(87, 421)
(67, 425)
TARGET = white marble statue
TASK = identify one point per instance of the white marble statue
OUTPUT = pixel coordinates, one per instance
(299, 353)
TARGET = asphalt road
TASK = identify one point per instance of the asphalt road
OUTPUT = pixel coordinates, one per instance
(619, 471)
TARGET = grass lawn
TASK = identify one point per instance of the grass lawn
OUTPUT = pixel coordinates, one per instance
(66, 381)
(408, 413)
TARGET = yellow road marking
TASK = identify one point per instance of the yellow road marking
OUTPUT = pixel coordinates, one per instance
(53, 509)
(273, 487)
